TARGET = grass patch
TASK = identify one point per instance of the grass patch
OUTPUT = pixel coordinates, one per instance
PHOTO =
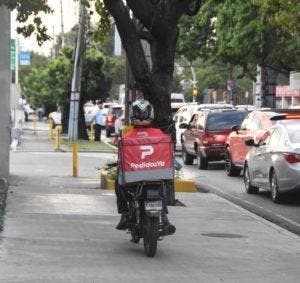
(84, 145)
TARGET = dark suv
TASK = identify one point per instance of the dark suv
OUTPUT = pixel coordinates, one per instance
(206, 134)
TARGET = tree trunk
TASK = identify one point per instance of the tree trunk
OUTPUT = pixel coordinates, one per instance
(65, 111)
(82, 132)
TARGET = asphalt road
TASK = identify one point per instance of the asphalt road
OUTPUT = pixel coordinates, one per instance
(214, 180)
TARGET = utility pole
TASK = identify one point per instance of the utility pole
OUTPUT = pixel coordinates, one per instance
(5, 81)
(62, 25)
(76, 87)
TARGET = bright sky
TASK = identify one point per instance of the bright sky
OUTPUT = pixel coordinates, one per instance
(52, 22)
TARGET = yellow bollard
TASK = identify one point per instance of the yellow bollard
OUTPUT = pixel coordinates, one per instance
(35, 124)
(126, 129)
(58, 130)
(51, 129)
(92, 132)
(75, 159)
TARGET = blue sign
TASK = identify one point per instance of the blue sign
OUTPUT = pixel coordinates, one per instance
(25, 58)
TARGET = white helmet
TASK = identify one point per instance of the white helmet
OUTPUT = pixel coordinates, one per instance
(141, 113)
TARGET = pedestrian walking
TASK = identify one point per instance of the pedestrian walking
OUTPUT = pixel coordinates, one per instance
(99, 122)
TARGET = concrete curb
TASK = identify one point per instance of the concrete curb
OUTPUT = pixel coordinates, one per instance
(3, 190)
(180, 185)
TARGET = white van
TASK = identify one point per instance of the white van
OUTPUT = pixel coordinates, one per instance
(177, 98)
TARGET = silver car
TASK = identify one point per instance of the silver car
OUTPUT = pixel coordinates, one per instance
(275, 164)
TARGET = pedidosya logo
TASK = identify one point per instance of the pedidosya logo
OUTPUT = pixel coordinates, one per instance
(147, 150)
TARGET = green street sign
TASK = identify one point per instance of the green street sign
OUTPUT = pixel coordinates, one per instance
(12, 54)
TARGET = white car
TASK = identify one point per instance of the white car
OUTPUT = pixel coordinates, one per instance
(275, 164)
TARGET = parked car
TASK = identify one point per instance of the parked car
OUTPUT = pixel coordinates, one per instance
(275, 164)
(184, 114)
(206, 134)
(254, 126)
(113, 113)
(246, 107)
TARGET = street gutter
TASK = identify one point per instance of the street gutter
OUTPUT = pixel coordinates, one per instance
(277, 219)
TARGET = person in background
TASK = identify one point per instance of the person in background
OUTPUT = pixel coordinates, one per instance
(40, 112)
(99, 122)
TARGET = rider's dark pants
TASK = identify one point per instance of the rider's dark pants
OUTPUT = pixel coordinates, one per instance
(121, 201)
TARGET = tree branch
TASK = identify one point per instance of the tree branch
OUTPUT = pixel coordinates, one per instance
(143, 12)
(153, 16)
(146, 35)
(131, 42)
(193, 8)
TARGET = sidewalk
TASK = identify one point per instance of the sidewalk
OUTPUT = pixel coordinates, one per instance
(61, 229)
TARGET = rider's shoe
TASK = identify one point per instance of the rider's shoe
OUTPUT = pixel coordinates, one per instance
(123, 224)
(168, 228)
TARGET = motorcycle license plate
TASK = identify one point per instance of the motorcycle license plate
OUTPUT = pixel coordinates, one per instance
(153, 205)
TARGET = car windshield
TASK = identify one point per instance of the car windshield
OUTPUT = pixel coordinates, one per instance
(292, 127)
(116, 111)
(224, 120)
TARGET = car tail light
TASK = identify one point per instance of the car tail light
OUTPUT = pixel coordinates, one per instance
(205, 139)
(292, 157)
(292, 116)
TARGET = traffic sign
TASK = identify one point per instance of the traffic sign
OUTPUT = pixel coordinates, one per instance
(25, 58)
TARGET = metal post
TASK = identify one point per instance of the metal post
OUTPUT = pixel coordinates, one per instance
(127, 70)
(5, 79)
(92, 137)
(62, 25)
(75, 88)
(58, 131)
(51, 129)
(35, 124)
(75, 159)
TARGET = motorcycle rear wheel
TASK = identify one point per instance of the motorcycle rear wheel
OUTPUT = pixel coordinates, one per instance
(150, 235)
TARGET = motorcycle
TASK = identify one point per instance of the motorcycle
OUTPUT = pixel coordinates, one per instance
(145, 169)
(145, 203)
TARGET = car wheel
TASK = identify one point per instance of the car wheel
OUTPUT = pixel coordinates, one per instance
(230, 168)
(202, 162)
(275, 195)
(247, 181)
(108, 133)
(187, 158)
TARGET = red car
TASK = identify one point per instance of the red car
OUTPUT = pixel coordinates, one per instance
(113, 112)
(254, 126)
(206, 134)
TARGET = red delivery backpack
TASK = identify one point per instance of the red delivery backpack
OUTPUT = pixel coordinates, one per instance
(146, 154)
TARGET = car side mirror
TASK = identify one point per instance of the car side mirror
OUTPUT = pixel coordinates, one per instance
(250, 142)
(184, 126)
(235, 128)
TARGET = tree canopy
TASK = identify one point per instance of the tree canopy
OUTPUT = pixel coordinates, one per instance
(245, 33)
